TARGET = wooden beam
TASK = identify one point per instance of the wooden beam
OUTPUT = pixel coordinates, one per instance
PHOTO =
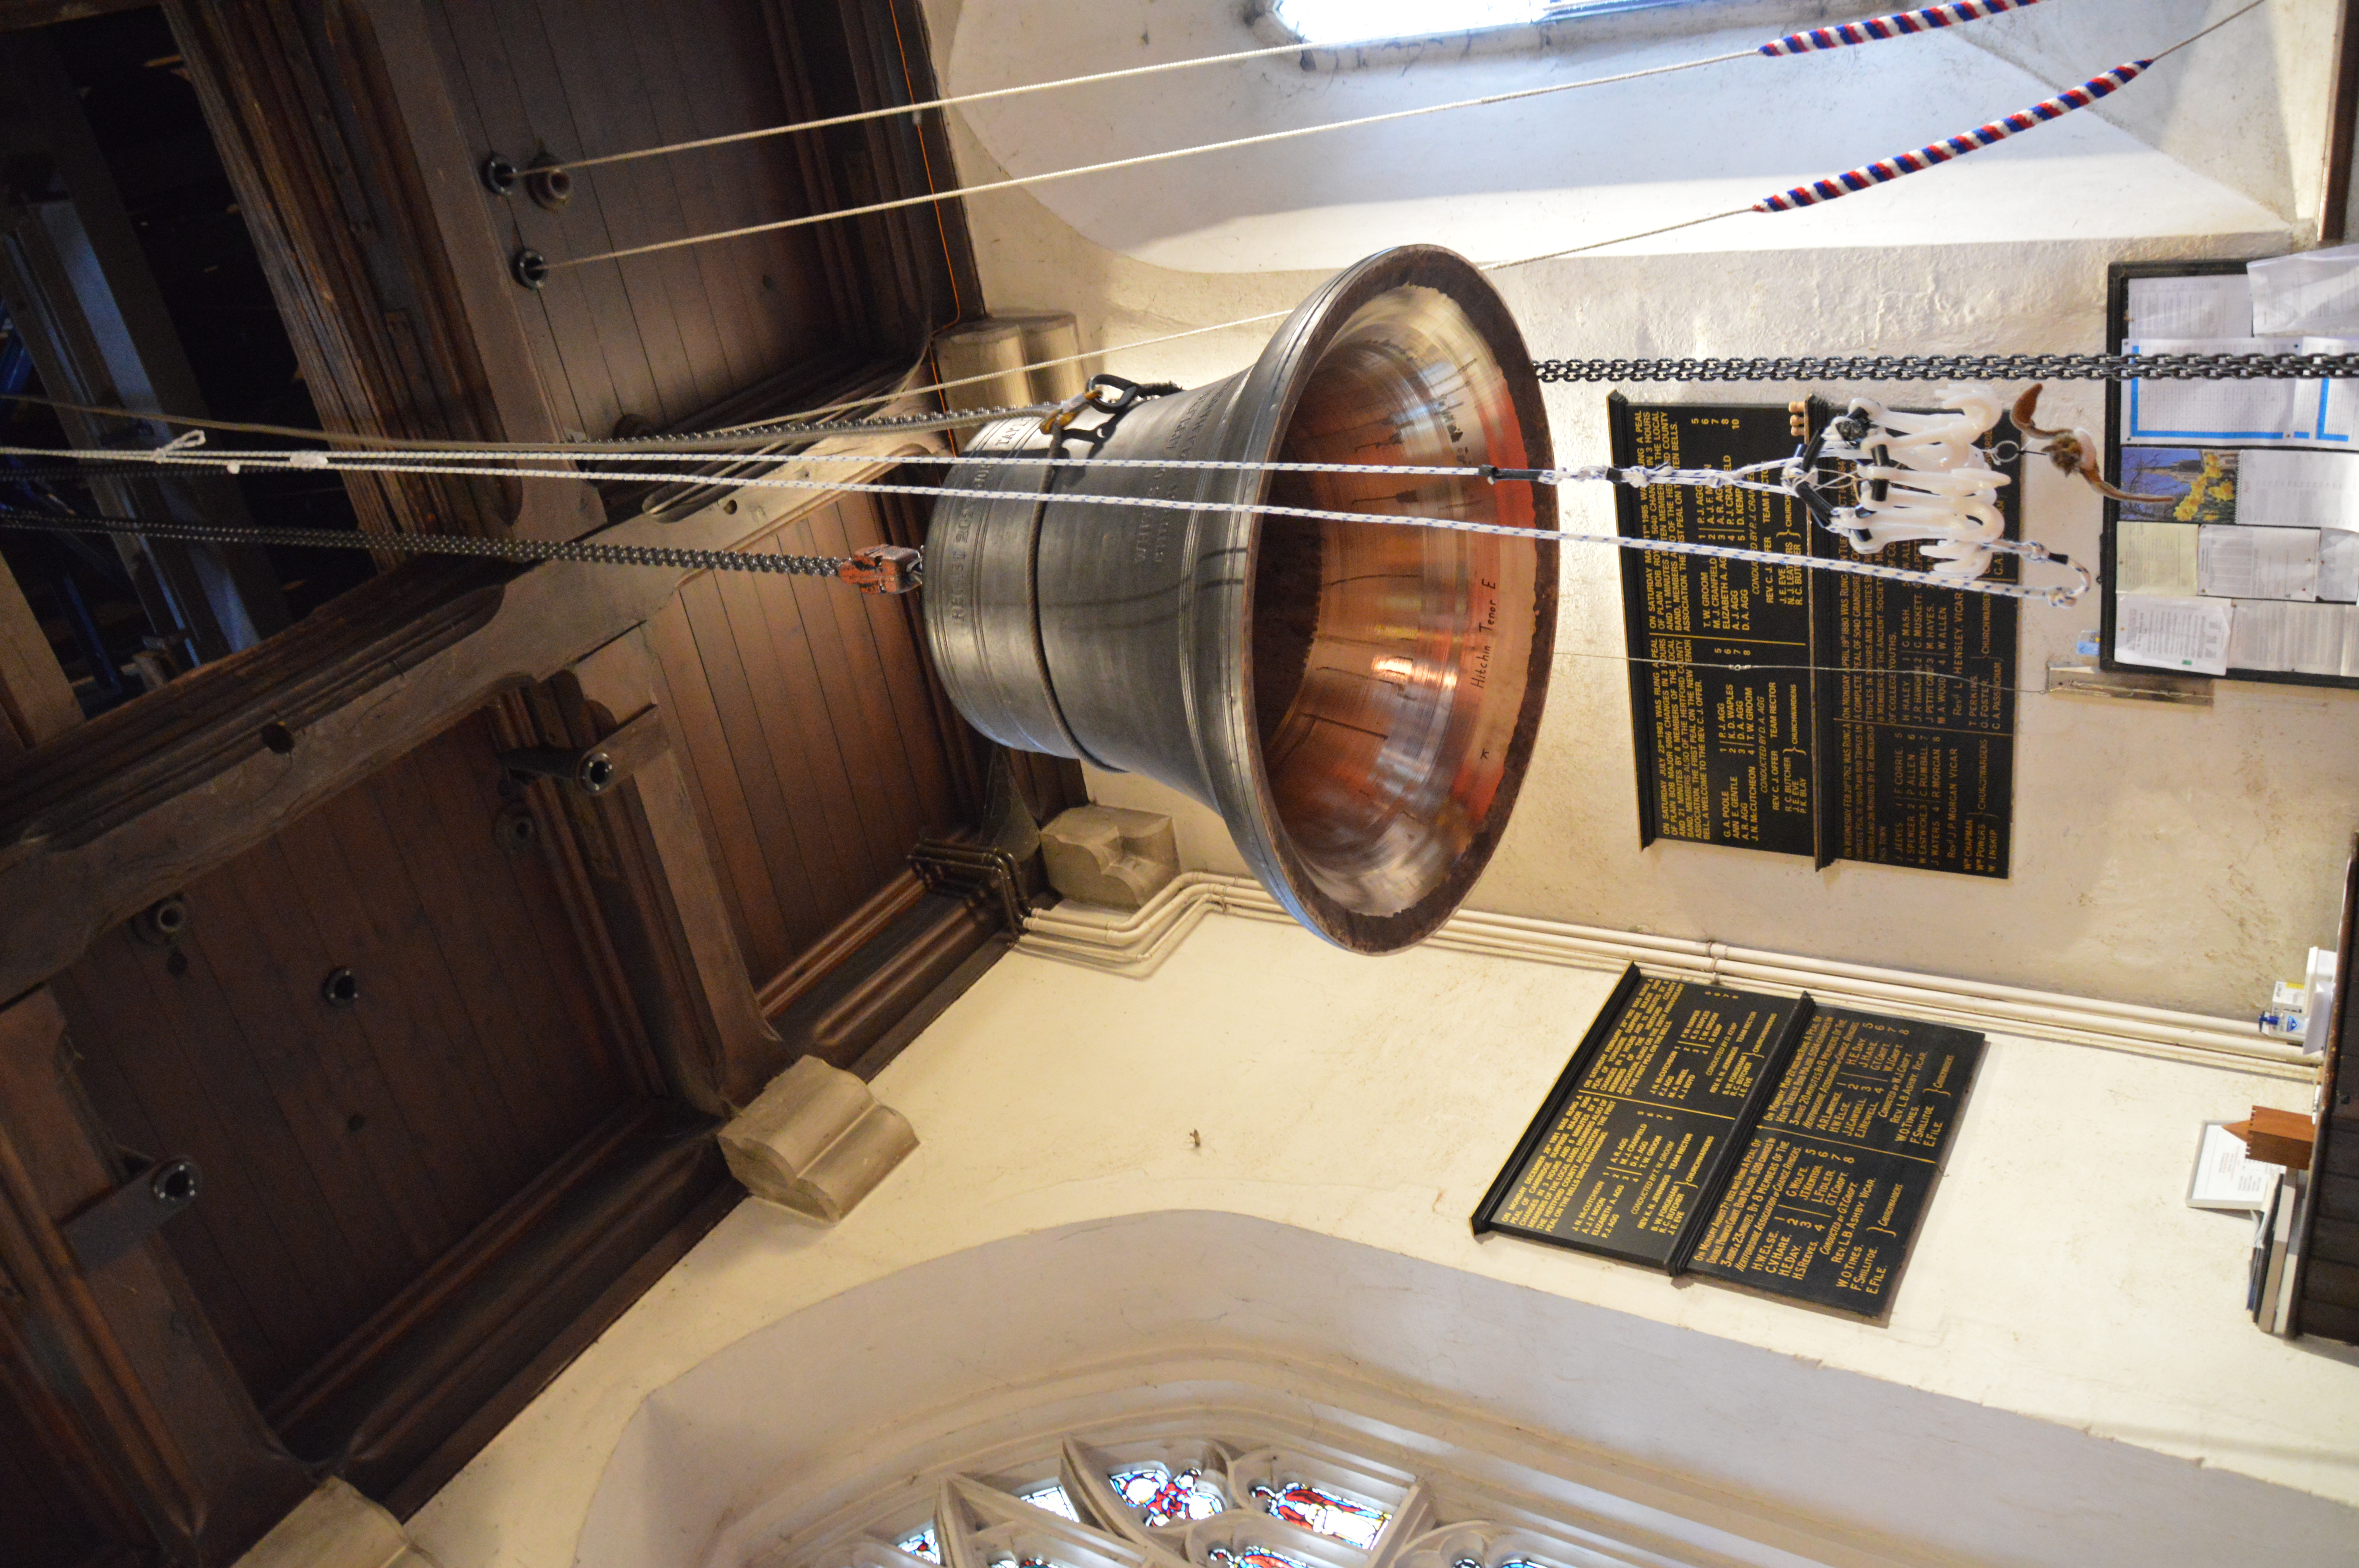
(387, 1402)
(344, 221)
(122, 1352)
(37, 702)
(21, 14)
(134, 806)
(666, 906)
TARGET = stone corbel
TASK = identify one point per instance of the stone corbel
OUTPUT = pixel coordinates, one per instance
(816, 1141)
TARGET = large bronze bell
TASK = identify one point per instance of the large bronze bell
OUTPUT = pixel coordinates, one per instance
(1357, 701)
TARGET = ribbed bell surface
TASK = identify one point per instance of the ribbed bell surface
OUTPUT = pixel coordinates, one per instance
(1357, 701)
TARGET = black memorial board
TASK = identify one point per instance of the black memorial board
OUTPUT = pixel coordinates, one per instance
(1828, 1196)
(1752, 1138)
(1646, 1123)
(1725, 744)
(1916, 723)
(1807, 713)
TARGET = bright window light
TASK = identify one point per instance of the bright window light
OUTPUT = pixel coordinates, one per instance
(1358, 21)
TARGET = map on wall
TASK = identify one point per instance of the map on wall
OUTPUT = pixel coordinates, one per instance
(1806, 712)
(1762, 1141)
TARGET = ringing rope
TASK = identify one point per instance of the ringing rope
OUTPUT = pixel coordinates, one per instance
(438, 458)
(1927, 19)
(1813, 193)
(183, 453)
(806, 423)
(533, 269)
(1794, 43)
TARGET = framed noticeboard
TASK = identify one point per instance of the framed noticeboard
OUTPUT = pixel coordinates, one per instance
(1807, 712)
(2240, 558)
(1760, 1141)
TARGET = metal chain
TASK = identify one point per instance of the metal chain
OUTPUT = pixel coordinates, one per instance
(703, 443)
(1964, 367)
(435, 545)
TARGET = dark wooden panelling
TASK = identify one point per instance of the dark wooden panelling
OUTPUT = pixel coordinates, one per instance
(666, 335)
(117, 1366)
(40, 1516)
(878, 987)
(915, 266)
(397, 1389)
(346, 1149)
(816, 750)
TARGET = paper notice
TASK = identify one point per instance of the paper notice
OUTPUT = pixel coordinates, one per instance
(2224, 1178)
(2330, 408)
(2189, 634)
(2298, 490)
(2218, 305)
(2156, 557)
(2271, 635)
(2236, 562)
(2315, 636)
(2217, 411)
(2338, 566)
(2317, 291)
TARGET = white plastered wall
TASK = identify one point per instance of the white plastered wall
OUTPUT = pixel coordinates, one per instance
(2178, 856)
(2067, 1375)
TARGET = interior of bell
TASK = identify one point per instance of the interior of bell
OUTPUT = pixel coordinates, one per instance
(1390, 663)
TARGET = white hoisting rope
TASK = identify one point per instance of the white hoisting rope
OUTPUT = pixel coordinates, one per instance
(187, 453)
(1025, 182)
(1836, 37)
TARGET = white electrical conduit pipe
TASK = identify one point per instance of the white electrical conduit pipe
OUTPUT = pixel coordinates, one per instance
(1135, 942)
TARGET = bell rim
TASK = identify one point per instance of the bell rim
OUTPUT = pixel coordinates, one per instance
(1273, 387)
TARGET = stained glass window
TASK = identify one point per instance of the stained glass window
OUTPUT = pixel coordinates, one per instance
(1252, 1557)
(1166, 1497)
(1052, 1498)
(1173, 1492)
(1323, 1512)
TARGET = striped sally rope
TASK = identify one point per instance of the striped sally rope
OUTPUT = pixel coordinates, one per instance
(1936, 152)
(1898, 24)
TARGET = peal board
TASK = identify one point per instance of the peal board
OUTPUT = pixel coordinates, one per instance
(1806, 712)
(1752, 1138)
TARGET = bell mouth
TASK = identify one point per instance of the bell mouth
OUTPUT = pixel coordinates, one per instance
(1396, 673)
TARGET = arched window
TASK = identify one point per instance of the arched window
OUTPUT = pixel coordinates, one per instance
(1356, 21)
(1160, 1501)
